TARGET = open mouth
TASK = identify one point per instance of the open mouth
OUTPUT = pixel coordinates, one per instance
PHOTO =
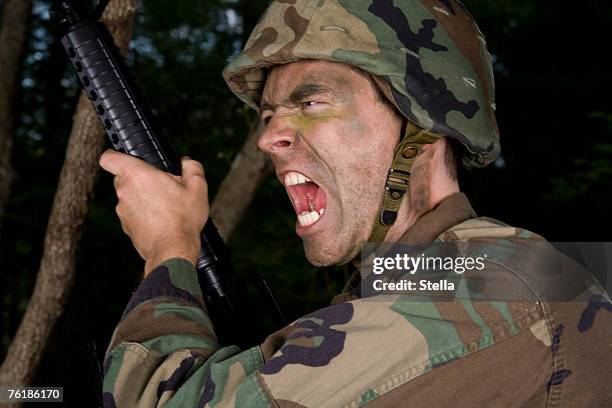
(308, 199)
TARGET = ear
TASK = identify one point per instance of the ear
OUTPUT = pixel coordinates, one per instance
(439, 145)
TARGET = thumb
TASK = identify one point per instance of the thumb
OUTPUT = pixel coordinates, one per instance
(192, 171)
(118, 163)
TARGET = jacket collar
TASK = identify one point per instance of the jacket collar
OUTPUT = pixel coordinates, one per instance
(449, 212)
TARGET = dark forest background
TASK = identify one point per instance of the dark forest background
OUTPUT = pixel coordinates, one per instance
(554, 176)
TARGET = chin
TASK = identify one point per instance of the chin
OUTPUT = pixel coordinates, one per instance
(321, 255)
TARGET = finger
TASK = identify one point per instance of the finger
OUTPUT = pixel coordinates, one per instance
(116, 182)
(117, 163)
(120, 211)
(192, 171)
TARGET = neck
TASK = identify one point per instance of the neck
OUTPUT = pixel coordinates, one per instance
(430, 184)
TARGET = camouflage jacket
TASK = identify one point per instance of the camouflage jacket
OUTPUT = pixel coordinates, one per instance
(359, 352)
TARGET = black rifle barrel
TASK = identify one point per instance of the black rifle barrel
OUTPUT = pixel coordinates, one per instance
(128, 124)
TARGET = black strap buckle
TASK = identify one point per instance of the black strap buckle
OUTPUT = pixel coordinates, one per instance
(397, 183)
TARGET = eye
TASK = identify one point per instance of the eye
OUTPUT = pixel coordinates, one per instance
(307, 105)
(266, 117)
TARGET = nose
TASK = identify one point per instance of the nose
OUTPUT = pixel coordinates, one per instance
(277, 137)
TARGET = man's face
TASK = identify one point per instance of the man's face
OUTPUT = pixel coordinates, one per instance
(331, 141)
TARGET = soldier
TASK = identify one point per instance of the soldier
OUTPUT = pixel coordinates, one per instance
(369, 106)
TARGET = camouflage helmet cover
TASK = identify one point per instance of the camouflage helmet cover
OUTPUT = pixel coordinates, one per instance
(428, 55)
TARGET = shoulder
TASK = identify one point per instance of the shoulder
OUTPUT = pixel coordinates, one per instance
(352, 353)
(484, 227)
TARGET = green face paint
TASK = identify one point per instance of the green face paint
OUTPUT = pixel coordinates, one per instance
(331, 94)
(308, 121)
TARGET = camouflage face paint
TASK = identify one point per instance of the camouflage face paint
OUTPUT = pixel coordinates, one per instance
(315, 101)
(343, 146)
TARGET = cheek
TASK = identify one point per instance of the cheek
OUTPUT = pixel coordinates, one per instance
(358, 148)
(365, 159)
(371, 149)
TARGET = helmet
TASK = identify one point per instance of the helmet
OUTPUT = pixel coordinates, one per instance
(428, 56)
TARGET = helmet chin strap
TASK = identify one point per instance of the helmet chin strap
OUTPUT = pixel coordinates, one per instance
(398, 178)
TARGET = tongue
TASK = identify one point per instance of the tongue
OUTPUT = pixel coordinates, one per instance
(310, 198)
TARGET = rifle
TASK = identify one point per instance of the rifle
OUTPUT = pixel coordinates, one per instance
(130, 129)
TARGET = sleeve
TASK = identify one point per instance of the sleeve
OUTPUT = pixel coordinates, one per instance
(164, 351)
(384, 352)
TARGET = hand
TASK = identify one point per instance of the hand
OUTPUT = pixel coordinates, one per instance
(163, 214)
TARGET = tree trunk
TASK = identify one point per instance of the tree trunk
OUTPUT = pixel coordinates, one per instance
(250, 167)
(12, 38)
(57, 267)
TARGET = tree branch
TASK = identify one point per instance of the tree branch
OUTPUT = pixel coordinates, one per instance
(12, 39)
(249, 169)
(56, 273)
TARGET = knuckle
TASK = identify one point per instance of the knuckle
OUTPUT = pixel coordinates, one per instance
(130, 178)
(199, 183)
(120, 192)
(125, 230)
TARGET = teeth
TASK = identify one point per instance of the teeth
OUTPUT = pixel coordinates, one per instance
(308, 218)
(294, 178)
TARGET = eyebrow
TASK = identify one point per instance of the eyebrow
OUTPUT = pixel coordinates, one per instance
(306, 90)
(301, 92)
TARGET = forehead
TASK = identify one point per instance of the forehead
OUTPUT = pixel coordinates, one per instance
(332, 76)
